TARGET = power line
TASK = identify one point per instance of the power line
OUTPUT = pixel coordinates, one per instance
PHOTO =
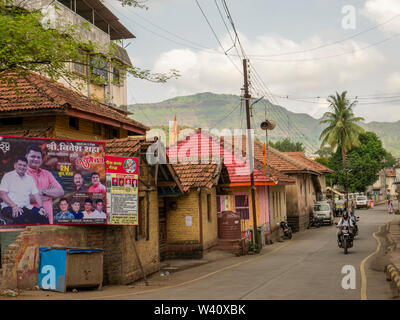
(228, 114)
(216, 37)
(265, 89)
(331, 56)
(261, 83)
(329, 43)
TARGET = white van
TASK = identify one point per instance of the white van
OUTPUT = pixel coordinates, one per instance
(323, 212)
(362, 202)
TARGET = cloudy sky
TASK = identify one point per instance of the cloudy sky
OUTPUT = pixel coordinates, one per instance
(300, 50)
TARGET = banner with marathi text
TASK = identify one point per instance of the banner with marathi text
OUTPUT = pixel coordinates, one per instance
(52, 181)
(122, 190)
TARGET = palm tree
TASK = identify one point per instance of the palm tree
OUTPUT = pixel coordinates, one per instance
(342, 131)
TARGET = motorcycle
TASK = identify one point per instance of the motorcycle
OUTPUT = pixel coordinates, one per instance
(355, 228)
(287, 231)
(346, 240)
(314, 222)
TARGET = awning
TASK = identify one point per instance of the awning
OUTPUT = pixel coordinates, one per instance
(334, 191)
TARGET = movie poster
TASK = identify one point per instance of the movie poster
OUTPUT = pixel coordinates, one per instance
(52, 181)
(122, 190)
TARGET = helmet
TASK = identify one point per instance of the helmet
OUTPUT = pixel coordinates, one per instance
(345, 214)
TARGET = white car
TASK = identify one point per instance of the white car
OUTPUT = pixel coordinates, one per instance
(361, 202)
(323, 212)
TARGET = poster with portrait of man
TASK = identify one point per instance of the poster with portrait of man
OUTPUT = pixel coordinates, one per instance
(52, 181)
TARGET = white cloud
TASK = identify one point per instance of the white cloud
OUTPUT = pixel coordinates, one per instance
(381, 11)
(203, 71)
(393, 82)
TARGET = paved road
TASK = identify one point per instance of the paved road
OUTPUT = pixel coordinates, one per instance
(307, 267)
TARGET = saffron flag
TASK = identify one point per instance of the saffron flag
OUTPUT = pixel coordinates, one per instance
(265, 154)
(174, 132)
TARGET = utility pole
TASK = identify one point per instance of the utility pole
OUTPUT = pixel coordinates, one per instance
(384, 180)
(347, 183)
(247, 96)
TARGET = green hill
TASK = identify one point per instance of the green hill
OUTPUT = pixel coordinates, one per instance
(209, 110)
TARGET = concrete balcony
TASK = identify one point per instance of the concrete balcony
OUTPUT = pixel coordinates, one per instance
(63, 16)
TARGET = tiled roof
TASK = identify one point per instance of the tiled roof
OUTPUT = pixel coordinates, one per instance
(277, 161)
(203, 144)
(282, 161)
(34, 92)
(125, 147)
(300, 156)
(391, 172)
(197, 175)
(134, 146)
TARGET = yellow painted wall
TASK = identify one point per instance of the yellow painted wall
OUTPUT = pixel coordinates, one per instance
(210, 226)
(276, 205)
(85, 131)
(38, 122)
(177, 231)
(188, 205)
(248, 224)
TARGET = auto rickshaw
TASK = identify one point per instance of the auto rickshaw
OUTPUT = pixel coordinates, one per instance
(339, 208)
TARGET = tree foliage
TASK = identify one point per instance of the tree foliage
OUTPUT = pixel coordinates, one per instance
(364, 163)
(324, 152)
(342, 131)
(286, 145)
(327, 163)
(28, 42)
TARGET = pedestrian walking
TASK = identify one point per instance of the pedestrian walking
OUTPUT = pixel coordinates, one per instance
(390, 207)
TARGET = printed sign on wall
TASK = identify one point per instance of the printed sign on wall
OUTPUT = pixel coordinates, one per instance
(122, 190)
(52, 181)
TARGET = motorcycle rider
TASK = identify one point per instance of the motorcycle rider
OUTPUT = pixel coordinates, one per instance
(344, 221)
(353, 218)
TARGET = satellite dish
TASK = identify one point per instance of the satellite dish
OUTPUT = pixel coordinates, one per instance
(268, 125)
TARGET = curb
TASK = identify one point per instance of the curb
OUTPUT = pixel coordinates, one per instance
(393, 275)
(393, 244)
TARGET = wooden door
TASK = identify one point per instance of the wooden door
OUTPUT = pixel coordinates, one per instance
(162, 216)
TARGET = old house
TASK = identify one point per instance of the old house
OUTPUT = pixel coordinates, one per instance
(270, 183)
(310, 184)
(35, 106)
(104, 29)
(191, 219)
(43, 108)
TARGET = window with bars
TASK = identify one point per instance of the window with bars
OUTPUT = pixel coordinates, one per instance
(78, 65)
(116, 76)
(242, 206)
(99, 67)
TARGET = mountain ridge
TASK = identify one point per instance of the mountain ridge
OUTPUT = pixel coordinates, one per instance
(211, 110)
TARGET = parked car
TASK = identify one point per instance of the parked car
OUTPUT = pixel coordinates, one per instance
(323, 212)
(362, 202)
